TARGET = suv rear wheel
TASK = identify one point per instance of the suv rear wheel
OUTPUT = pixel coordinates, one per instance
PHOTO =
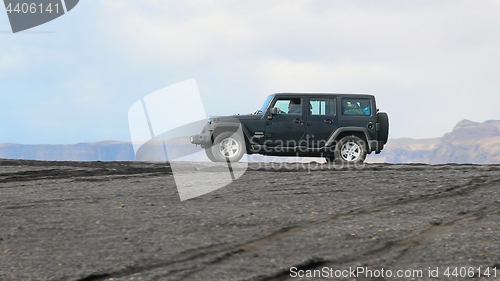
(330, 158)
(350, 150)
(227, 146)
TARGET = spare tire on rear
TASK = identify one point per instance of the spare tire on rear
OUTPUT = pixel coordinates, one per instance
(383, 133)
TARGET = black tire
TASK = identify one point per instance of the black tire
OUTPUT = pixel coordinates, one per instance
(228, 146)
(210, 155)
(383, 120)
(350, 150)
(330, 158)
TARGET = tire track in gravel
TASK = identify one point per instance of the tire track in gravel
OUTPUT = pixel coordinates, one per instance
(84, 171)
(80, 175)
(401, 247)
(223, 253)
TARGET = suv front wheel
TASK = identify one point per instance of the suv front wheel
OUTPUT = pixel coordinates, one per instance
(350, 150)
(227, 146)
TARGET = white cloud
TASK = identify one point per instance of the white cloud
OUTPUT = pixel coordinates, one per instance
(150, 38)
(290, 76)
(9, 62)
(430, 63)
(424, 59)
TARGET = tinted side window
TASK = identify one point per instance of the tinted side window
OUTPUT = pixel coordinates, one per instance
(289, 106)
(356, 107)
(322, 106)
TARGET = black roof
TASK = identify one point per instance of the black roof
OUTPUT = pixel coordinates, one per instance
(323, 94)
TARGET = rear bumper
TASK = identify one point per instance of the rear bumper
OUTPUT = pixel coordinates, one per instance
(375, 145)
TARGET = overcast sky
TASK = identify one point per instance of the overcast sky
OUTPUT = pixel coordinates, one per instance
(429, 63)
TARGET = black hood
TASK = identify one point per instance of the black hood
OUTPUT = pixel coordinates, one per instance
(237, 117)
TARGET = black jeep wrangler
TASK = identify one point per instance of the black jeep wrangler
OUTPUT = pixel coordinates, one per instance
(338, 127)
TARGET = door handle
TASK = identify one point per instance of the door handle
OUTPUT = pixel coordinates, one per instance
(298, 121)
(328, 121)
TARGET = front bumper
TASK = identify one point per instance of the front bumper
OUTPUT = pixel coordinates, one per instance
(202, 139)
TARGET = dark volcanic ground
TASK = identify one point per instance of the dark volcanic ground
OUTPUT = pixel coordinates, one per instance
(124, 221)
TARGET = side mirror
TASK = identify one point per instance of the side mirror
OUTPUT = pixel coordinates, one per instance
(273, 111)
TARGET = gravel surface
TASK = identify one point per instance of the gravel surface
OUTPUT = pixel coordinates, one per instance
(91, 221)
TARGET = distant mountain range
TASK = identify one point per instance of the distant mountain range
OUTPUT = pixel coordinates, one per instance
(469, 142)
(97, 151)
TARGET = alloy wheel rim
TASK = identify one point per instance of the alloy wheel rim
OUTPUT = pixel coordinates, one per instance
(229, 147)
(350, 151)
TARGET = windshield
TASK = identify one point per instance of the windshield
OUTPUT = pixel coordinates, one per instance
(266, 103)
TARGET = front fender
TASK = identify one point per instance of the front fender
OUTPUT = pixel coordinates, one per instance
(231, 126)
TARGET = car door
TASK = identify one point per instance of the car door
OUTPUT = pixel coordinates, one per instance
(322, 120)
(286, 129)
